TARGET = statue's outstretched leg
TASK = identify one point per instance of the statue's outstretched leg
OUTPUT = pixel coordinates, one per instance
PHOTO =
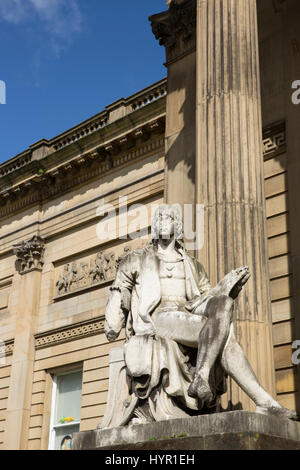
(212, 340)
(217, 339)
(236, 365)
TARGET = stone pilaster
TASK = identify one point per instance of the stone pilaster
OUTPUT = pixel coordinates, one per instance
(229, 171)
(29, 265)
(176, 31)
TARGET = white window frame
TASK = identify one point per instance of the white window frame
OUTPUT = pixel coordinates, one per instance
(53, 426)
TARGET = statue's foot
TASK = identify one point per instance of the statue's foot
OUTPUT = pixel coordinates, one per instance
(278, 411)
(200, 388)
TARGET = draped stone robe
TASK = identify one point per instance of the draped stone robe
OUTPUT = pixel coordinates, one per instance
(157, 369)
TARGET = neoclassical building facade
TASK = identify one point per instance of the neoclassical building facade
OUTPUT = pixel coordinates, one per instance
(220, 131)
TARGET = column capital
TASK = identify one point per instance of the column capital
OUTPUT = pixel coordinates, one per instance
(29, 254)
(176, 29)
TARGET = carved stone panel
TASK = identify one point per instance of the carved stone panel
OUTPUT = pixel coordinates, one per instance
(87, 272)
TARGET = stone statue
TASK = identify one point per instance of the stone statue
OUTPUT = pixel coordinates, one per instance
(180, 341)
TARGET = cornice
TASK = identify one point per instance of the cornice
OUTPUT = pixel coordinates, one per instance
(84, 168)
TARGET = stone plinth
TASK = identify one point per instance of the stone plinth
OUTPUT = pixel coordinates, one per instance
(235, 430)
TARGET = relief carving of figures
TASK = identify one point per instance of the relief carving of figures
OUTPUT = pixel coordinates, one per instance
(97, 273)
(83, 275)
(78, 275)
(74, 276)
(63, 283)
(109, 266)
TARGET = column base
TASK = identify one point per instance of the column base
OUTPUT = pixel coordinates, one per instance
(234, 430)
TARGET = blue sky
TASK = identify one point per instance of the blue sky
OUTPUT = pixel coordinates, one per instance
(65, 60)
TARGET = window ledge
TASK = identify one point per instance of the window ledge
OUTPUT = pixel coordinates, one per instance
(64, 425)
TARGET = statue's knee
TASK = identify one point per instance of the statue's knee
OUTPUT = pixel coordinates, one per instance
(224, 302)
(221, 305)
(228, 306)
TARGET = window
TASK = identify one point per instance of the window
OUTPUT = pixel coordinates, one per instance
(65, 413)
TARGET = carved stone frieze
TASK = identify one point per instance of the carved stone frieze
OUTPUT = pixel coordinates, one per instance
(69, 333)
(6, 349)
(176, 28)
(29, 254)
(274, 141)
(82, 274)
(86, 273)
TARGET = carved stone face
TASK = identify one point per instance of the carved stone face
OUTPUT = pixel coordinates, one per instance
(166, 224)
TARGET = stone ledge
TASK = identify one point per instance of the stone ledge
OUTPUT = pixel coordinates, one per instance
(236, 430)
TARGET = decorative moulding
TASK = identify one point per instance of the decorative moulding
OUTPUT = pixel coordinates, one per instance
(274, 139)
(176, 29)
(69, 333)
(6, 349)
(63, 177)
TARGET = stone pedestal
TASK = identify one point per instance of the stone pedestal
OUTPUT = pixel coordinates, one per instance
(235, 430)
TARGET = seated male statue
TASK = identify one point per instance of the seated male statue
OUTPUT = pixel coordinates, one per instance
(180, 343)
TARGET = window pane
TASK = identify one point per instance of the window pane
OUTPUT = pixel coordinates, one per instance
(62, 433)
(68, 396)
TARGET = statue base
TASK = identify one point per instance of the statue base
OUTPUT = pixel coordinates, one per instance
(233, 430)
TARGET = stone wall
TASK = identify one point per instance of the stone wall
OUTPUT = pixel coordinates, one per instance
(280, 269)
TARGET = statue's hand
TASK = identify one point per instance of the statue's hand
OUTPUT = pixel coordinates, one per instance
(111, 335)
(242, 275)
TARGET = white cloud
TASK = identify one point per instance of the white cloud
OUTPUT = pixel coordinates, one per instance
(13, 11)
(60, 18)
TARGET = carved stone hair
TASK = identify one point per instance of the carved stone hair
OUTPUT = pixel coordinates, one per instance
(176, 213)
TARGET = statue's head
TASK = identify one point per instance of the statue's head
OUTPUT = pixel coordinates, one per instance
(167, 223)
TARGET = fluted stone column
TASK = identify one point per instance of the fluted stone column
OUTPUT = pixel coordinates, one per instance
(229, 171)
(29, 265)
